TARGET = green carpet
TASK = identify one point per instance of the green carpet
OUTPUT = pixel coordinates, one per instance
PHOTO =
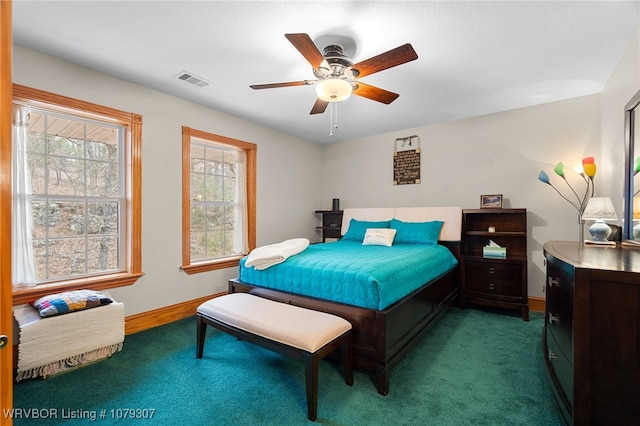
(474, 367)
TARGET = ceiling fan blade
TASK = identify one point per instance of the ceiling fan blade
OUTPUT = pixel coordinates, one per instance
(374, 93)
(389, 59)
(305, 45)
(275, 85)
(319, 107)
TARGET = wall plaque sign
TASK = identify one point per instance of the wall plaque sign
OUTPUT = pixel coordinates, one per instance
(406, 160)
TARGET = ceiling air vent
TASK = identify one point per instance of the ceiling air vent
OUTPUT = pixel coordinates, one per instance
(190, 78)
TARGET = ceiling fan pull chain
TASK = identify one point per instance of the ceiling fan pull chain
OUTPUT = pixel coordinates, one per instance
(331, 119)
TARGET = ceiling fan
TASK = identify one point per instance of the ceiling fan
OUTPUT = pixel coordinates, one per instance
(337, 75)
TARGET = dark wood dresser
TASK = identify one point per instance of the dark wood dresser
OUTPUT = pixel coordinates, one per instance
(591, 337)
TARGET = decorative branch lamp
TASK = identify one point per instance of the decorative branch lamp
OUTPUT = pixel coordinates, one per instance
(588, 172)
(599, 209)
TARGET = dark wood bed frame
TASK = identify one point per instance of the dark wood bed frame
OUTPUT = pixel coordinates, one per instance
(379, 338)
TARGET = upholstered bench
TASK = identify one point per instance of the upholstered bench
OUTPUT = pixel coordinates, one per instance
(290, 330)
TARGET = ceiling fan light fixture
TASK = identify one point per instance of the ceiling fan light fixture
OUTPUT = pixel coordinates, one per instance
(333, 90)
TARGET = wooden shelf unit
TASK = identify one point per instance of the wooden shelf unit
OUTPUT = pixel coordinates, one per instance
(495, 282)
(331, 224)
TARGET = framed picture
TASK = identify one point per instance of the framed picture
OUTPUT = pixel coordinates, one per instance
(493, 201)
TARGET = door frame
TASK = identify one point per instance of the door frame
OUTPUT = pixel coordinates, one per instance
(6, 308)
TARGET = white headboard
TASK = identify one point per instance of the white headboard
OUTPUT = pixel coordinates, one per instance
(451, 216)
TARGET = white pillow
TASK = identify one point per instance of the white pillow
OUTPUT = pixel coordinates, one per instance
(379, 237)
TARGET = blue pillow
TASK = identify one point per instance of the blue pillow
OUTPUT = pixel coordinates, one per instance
(357, 228)
(426, 233)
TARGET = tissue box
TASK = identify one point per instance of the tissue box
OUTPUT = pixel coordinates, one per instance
(496, 252)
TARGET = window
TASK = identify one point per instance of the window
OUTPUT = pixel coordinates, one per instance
(76, 195)
(218, 200)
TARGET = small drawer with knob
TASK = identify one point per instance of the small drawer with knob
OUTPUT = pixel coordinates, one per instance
(559, 318)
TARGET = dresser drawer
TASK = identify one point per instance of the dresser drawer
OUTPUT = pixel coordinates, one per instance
(559, 318)
(560, 277)
(562, 369)
(497, 278)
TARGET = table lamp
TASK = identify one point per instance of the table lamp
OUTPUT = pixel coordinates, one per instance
(599, 209)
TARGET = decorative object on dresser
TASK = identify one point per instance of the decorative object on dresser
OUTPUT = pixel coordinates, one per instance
(331, 222)
(591, 336)
(598, 209)
(495, 274)
(587, 173)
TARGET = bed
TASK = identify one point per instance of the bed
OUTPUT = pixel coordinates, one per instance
(388, 308)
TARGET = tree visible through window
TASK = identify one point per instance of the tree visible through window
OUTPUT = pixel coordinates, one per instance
(218, 200)
(213, 202)
(77, 195)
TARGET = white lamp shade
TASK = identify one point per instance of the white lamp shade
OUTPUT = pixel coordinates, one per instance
(600, 208)
(333, 90)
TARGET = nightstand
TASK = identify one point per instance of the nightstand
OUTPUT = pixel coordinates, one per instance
(331, 224)
(494, 281)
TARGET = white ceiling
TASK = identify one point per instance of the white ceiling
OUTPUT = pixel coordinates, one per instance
(475, 58)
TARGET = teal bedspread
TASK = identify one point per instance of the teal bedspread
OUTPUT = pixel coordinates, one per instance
(351, 273)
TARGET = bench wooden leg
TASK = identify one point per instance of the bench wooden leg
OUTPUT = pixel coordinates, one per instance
(201, 330)
(311, 364)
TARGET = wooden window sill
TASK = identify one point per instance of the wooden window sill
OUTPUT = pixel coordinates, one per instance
(212, 265)
(28, 294)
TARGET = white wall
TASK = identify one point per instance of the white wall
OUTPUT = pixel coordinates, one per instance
(500, 153)
(280, 158)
